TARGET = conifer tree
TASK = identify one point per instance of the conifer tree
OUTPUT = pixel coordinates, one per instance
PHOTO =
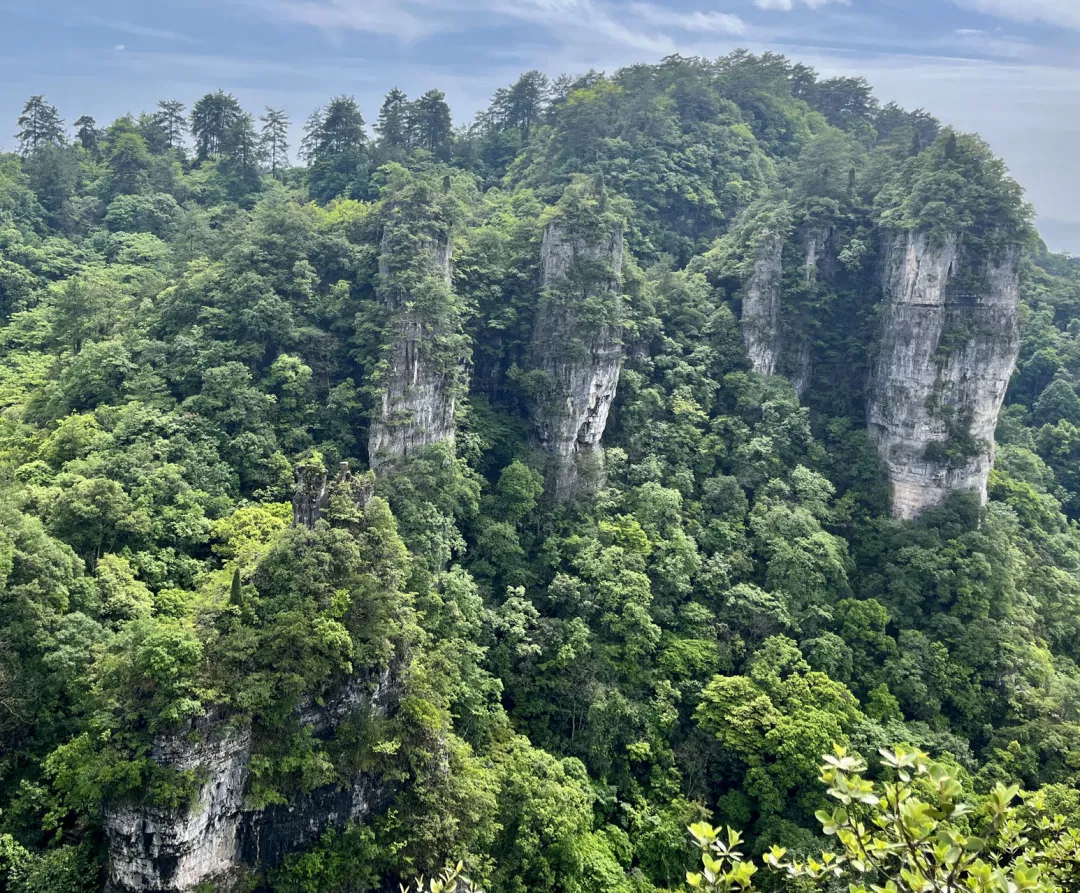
(393, 124)
(431, 124)
(241, 151)
(335, 147)
(211, 118)
(525, 102)
(274, 139)
(40, 125)
(86, 133)
(171, 118)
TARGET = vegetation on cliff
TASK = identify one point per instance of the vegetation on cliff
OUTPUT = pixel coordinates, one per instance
(188, 320)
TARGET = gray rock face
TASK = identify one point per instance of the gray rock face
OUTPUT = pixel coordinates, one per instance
(311, 496)
(160, 849)
(163, 850)
(761, 306)
(419, 401)
(818, 265)
(950, 340)
(582, 365)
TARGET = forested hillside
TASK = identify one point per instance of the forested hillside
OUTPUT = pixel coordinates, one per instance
(378, 494)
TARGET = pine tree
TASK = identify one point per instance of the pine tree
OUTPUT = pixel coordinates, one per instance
(333, 130)
(129, 164)
(241, 152)
(274, 139)
(171, 118)
(211, 118)
(525, 101)
(393, 124)
(151, 130)
(431, 124)
(86, 133)
(40, 125)
(335, 147)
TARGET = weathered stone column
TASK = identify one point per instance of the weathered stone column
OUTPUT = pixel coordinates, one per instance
(761, 305)
(426, 354)
(577, 348)
(949, 344)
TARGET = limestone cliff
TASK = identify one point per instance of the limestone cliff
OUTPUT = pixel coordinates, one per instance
(422, 373)
(819, 267)
(579, 359)
(949, 343)
(164, 849)
(217, 838)
(761, 305)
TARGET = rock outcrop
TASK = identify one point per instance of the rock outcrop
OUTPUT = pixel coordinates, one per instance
(949, 343)
(579, 360)
(217, 839)
(314, 489)
(419, 397)
(761, 305)
(174, 849)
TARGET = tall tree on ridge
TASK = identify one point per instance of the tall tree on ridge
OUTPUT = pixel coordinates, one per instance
(129, 164)
(241, 151)
(335, 147)
(86, 133)
(393, 124)
(525, 101)
(40, 125)
(172, 120)
(211, 118)
(274, 139)
(431, 124)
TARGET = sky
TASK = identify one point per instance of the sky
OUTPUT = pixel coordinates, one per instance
(1008, 69)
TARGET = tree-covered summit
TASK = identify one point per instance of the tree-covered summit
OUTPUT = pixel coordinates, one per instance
(205, 311)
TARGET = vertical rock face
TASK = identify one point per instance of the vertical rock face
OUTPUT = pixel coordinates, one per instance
(212, 841)
(950, 339)
(820, 266)
(580, 359)
(761, 306)
(419, 400)
(311, 496)
(162, 849)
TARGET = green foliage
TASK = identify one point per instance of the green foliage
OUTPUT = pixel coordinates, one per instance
(549, 692)
(907, 833)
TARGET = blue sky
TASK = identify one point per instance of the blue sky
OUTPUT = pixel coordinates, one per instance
(1009, 69)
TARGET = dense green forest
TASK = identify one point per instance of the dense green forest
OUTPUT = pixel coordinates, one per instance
(202, 316)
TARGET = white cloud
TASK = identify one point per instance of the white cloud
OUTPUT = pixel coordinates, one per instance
(986, 43)
(1053, 12)
(788, 5)
(141, 30)
(700, 21)
(644, 27)
(120, 48)
(390, 19)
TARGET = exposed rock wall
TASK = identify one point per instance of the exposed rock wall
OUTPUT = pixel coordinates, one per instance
(581, 361)
(761, 305)
(163, 850)
(949, 344)
(419, 399)
(314, 489)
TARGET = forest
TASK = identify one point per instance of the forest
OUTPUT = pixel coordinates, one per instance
(380, 494)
